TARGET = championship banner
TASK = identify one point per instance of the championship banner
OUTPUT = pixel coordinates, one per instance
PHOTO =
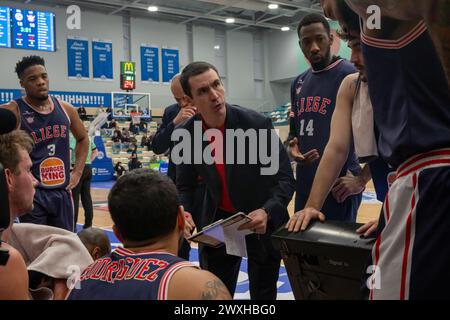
(149, 63)
(170, 63)
(102, 60)
(78, 58)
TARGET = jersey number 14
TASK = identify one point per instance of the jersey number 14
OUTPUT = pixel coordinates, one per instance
(309, 130)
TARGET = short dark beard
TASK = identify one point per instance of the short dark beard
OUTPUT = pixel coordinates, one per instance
(324, 63)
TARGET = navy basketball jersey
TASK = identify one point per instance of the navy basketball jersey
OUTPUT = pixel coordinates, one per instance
(313, 98)
(50, 132)
(410, 96)
(126, 275)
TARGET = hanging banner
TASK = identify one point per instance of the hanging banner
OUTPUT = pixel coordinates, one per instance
(78, 58)
(149, 63)
(86, 99)
(170, 63)
(102, 60)
(6, 95)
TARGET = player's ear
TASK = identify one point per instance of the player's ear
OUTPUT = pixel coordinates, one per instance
(331, 39)
(9, 179)
(180, 218)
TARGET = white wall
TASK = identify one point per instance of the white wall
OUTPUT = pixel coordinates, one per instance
(93, 25)
(241, 86)
(204, 40)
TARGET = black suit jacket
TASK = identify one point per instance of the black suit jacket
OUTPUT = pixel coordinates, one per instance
(161, 141)
(248, 189)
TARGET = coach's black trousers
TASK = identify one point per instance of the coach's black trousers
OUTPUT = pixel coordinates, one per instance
(263, 265)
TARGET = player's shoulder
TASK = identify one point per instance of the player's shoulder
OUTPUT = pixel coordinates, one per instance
(191, 283)
(346, 67)
(351, 80)
(13, 276)
(349, 85)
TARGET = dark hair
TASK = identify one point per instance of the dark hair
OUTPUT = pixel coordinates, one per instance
(352, 22)
(313, 18)
(96, 238)
(144, 205)
(27, 62)
(191, 70)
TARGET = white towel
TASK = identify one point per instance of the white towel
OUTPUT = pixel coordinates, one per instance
(49, 250)
(363, 124)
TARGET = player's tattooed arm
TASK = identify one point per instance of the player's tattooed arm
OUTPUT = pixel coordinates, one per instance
(215, 290)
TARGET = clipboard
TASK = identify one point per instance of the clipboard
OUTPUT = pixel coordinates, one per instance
(212, 235)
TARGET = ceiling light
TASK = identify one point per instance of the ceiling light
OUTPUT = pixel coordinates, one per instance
(285, 28)
(230, 20)
(152, 8)
(216, 47)
(272, 6)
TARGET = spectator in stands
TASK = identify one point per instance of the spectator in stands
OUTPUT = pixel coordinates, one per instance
(119, 169)
(132, 148)
(134, 128)
(125, 135)
(96, 242)
(117, 139)
(125, 138)
(146, 142)
(112, 124)
(143, 127)
(82, 113)
(134, 162)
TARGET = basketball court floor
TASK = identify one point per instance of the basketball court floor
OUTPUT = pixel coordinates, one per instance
(369, 210)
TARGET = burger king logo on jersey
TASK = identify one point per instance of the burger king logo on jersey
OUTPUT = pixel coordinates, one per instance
(52, 172)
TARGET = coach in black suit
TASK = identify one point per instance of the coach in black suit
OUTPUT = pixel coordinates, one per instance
(234, 187)
(161, 143)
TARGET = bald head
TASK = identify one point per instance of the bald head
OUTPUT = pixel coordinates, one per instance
(96, 241)
(177, 91)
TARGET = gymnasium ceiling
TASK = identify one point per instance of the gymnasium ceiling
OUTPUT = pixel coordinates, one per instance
(248, 14)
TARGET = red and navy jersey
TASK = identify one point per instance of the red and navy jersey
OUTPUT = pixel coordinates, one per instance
(50, 132)
(410, 96)
(126, 275)
(313, 99)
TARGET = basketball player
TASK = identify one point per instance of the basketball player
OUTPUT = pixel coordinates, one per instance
(313, 96)
(149, 221)
(48, 121)
(339, 144)
(411, 98)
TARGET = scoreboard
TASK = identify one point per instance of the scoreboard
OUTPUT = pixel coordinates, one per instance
(27, 29)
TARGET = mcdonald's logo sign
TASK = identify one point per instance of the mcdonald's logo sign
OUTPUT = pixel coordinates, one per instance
(127, 68)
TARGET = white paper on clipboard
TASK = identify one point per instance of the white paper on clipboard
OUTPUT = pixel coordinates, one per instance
(226, 232)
